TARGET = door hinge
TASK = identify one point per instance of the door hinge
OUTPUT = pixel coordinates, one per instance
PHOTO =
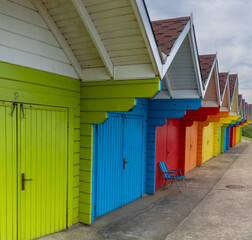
(95, 206)
(67, 126)
(67, 216)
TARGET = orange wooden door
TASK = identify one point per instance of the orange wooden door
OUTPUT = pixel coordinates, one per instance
(193, 153)
(187, 149)
(191, 147)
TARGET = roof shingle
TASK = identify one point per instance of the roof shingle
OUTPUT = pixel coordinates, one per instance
(167, 31)
(232, 81)
(239, 99)
(206, 63)
(223, 79)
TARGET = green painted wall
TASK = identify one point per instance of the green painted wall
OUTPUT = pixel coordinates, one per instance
(20, 84)
(219, 140)
(97, 99)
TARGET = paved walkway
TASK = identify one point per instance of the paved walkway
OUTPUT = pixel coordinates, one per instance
(207, 209)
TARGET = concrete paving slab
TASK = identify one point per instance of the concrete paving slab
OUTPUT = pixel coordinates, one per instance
(205, 210)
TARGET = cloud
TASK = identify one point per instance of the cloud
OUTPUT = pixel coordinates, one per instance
(221, 26)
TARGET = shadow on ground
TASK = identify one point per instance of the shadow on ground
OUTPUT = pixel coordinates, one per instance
(173, 215)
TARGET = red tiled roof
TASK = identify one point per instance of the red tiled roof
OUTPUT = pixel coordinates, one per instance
(167, 32)
(223, 79)
(206, 63)
(232, 80)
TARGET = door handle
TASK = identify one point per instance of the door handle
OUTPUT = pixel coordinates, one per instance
(191, 146)
(168, 153)
(124, 163)
(24, 180)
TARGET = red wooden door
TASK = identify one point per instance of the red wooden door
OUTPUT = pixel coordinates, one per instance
(167, 146)
(231, 137)
(161, 133)
(172, 143)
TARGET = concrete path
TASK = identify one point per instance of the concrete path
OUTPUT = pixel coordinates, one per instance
(207, 209)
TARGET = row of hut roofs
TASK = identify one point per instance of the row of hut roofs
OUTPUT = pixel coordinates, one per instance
(136, 92)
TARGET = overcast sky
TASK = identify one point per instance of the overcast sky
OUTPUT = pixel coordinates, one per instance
(221, 26)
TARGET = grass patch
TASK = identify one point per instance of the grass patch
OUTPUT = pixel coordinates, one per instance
(249, 139)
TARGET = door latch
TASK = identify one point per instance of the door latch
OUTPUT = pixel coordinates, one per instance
(124, 163)
(191, 146)
(24, 180)
(167, 153)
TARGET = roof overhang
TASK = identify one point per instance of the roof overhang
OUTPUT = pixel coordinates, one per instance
(169, 91)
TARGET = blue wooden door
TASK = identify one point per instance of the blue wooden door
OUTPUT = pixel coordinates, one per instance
(226, 147)
(132, 159)
(118, 162)
(108, 165)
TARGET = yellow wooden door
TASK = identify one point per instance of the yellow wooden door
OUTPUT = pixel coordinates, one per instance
(207, 151)
(42, 171)
(8, 172)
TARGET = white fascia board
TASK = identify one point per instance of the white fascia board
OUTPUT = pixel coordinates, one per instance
(183, 94)
(140, 71)
(196, 59)
(38, 4)
(236, 98)
(95, 74)
(148, 35)
(93, 33)
(217, 83)
(224, 109)
(209, 104)
(168, 85)
(162, 95)
(229, 102)
(225, 87)
(176, 47)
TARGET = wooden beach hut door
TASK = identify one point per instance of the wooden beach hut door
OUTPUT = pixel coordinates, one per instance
(33, 178)
(191, 147)
(118, 174)
(167, 147)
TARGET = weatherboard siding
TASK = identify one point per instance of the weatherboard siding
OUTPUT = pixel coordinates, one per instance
(42, 88)
(37, 48)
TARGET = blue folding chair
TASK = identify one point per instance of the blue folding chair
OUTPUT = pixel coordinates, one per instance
(170, 174)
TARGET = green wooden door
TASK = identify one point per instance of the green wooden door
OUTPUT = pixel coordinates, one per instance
(219, 141)
(33, 142)
(43, 158)
(8, 172)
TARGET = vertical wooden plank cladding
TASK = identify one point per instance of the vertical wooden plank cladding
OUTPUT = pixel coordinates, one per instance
(222, 139)
(8, 176)
(208, 136)
(119, 96)
(191, 147)
(161, 142)
(38, 87)
(35, 205)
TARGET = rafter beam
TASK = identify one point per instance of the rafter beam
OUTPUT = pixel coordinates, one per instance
(88, 23)
(58, 36)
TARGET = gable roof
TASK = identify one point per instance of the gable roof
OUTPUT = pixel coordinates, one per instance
(178, 50)
(232, 82)
(223, 76)
(206, 63)
(167, 31)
